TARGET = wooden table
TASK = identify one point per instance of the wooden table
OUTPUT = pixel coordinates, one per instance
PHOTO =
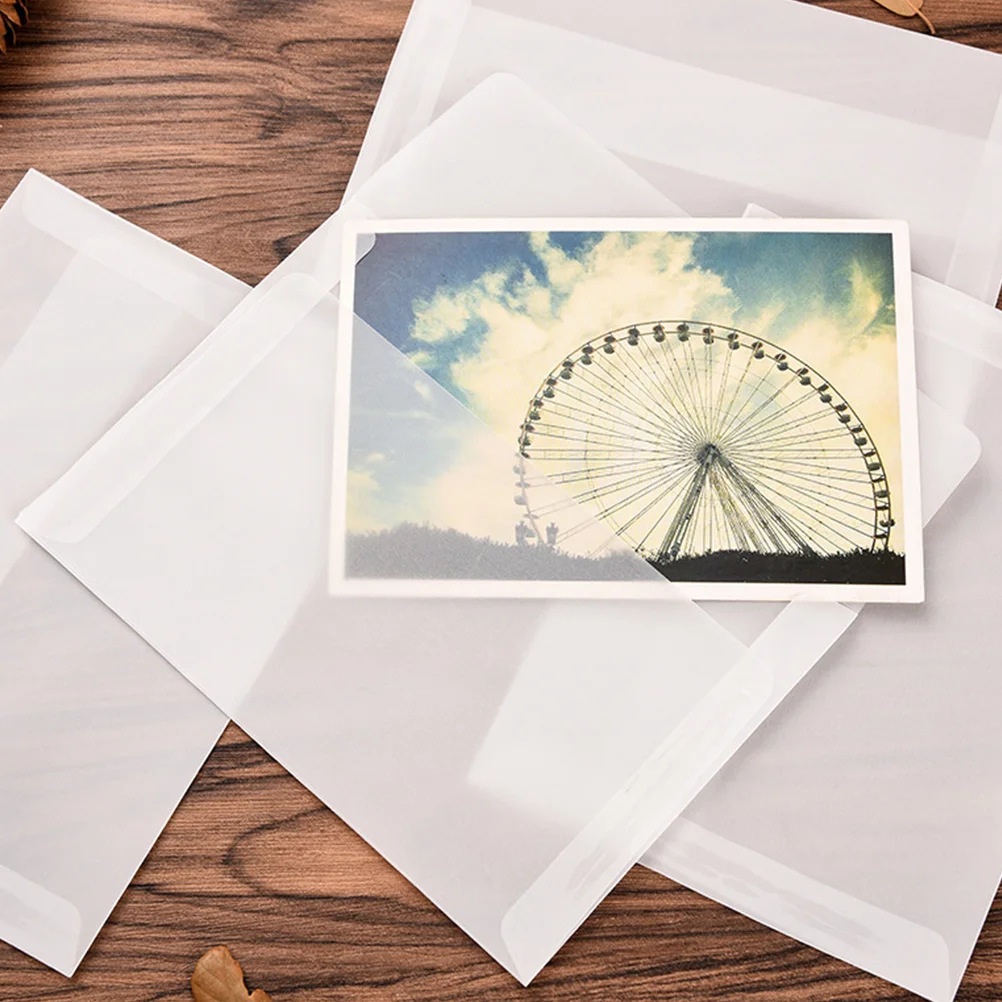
(230, 127)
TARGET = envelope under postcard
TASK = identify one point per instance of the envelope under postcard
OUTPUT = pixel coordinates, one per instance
(863, 818)
(429, 726)
(100, 737)
(723, 102)
(90, 294)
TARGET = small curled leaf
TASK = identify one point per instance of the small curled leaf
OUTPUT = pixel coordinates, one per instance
(219, 978)
(908, 8)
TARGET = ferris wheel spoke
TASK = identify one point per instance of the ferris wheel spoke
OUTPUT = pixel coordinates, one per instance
(669, 434)
(622, 394)
(794, 470)
(614, 484)
(578, 417)
(680, 356)
(725, 382)
(835, 511)
(749, 427)
(772, 519)
(782, 419)
(821, 435)
(833, 516)
(599, 424)
(826, 511)
(833, 495)
(697, 393)
(637, 411)
(750, 397)
(662, 483)
(737, 390)
(678, 486)
(768, 452)
(616, 500)
(596, 438)
(820, 469)
(557, 445)
(663, 401)
(708, 383)
(642, 417)
(825, 525)
(672, 416)
(669, 386)
(682, 382)
(744, 520)
(792, 417)
(626, 483)
(597, 471)
(609, 511)
(815, 531)
(738, 529)
(740, 422)
(792, 453)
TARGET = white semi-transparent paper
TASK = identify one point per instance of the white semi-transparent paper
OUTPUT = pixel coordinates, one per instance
(511, 758)
(723, 102)
(865, 817)
(99, 736)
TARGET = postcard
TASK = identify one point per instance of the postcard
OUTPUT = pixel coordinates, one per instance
(707, 409)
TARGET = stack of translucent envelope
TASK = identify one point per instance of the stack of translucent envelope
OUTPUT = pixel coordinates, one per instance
(511, 757)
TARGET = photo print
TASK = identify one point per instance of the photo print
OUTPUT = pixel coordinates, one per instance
(543, 408)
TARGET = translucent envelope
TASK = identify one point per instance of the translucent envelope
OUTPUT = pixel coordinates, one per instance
(512, 758)
(863, 818)
(428, 726)
(723, 102)
(100, 737)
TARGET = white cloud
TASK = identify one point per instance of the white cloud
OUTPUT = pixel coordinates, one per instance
(446, 314)
(623, 278)
(422, 359)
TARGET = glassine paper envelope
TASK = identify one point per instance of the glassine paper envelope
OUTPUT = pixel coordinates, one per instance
(511, 757)
(864, 817)
(99, 736)
(429, 726)
(724, 102)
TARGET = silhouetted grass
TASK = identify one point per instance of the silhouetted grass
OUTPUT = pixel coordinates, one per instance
(421, 552)
(856, 567)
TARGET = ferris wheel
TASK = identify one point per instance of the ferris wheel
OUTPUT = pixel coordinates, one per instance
(688, 438)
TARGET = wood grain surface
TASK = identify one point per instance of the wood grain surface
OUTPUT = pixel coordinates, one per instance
(230, 127)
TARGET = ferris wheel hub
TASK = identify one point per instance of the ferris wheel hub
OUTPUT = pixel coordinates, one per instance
(708, 453)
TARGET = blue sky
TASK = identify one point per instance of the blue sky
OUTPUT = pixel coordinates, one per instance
(807, 273)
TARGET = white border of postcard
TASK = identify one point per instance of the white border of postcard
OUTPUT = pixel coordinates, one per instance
(912, 591)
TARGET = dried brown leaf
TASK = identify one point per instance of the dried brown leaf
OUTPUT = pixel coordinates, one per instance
(908, 8)
(13, 14)
(219, 978)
